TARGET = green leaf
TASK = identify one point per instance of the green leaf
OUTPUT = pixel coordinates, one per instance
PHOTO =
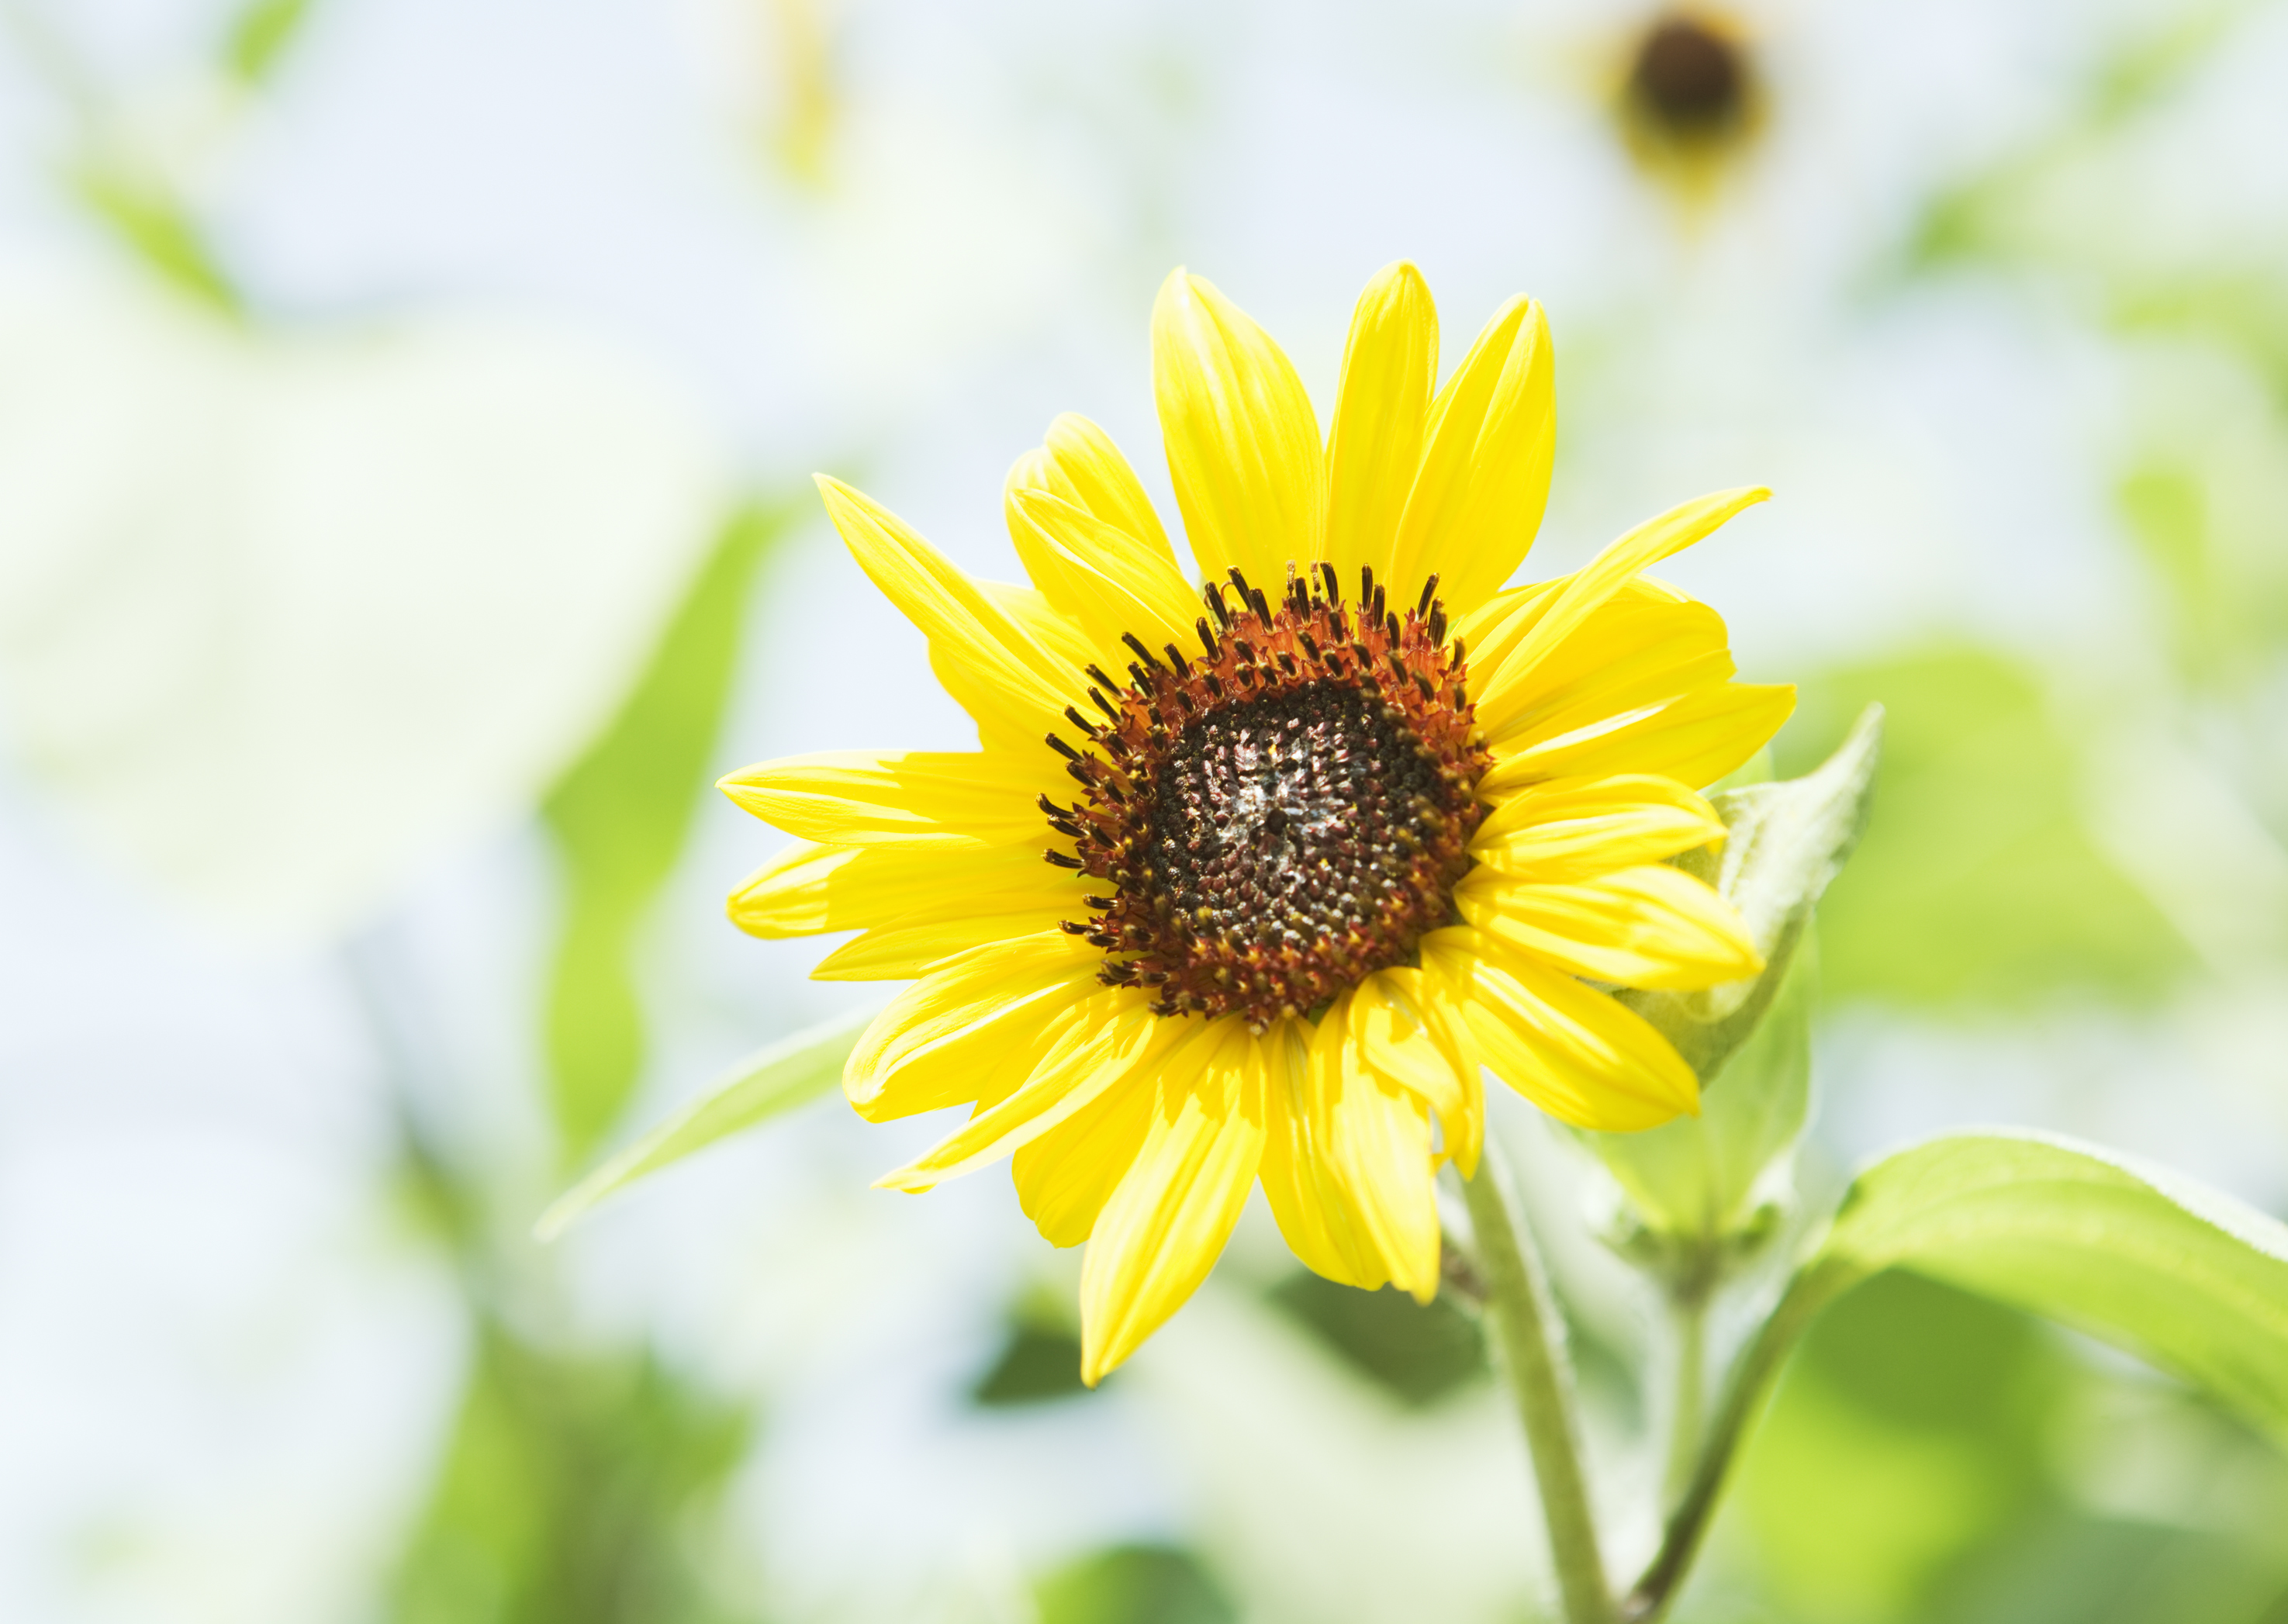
(2160, 1265)
(619, 817)
(2183, 1275)
(790, 1073)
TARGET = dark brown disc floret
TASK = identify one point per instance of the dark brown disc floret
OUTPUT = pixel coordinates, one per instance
(1282, 813)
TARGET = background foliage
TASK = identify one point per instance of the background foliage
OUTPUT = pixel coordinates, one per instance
(310, 1017)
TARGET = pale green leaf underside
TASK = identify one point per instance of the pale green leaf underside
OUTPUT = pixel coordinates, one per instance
(2161, 1265)
(790, 1073)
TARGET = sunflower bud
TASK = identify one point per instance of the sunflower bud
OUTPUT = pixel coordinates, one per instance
(1696, 1195)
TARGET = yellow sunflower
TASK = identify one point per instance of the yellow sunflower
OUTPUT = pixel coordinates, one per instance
(1248, 882)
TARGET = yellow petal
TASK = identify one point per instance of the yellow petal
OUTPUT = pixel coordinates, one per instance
(1397, 1042)
(1444, 1017)
(1376, 1137)
(1166, 1224)
(1020, 689)
(1628, 653)
(809, 887)
(1052, 627)
(1477, 501)
(1115, 583)
(1390, 367)
(1519, 671)
(1576, 1052)
(1297, 1181)
(1651, 926)
(1080, 465)
(934, 1044)
(1090, 1045)
(1573, 827)
(928, 798)
(1091, 473)
(902, 949)
(1695, 739)
(1065, 1177)
(1242, 442)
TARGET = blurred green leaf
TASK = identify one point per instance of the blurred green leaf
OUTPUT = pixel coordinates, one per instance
(2088, 1570)
(261, 34)
(568, 1496)
(619, 817)
(1908, 1439)
(158, 228)
(1135, 1584)
(771, 1082)
(1417, 1353)
(1037, 1364)
(1978, 888)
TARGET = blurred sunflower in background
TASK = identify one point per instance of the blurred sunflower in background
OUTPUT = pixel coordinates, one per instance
(1350, 821)
(1689, 96)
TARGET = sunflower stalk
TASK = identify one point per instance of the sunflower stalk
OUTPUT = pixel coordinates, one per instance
(1530, 1343)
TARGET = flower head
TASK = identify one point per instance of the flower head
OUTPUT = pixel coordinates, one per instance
(1249, 882)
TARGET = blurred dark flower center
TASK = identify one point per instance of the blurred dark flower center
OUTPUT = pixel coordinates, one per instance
(1688, 76)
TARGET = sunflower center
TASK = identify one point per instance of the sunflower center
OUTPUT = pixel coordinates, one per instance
(1690, 77)
(1282, 814)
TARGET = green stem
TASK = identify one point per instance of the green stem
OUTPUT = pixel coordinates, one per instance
(1744, 1395)
(1688, 1313)
(1527, 1335)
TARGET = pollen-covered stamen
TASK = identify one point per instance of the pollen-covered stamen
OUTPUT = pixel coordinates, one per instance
(1283, 813)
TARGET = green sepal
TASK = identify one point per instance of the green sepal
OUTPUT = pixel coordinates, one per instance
(1701, 1193)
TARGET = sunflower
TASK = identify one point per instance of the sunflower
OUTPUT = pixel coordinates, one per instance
(1249, 883)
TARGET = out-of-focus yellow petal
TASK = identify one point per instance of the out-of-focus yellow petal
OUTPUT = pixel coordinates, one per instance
(1018, 689)
(809, 887)
(1065, 1177)
(1504, 686)
(1242, 442)
(1086, 1047)
(1651, 926)
(1390, 367)
(936, 1042)
(1572, 828)
(1297, 1181)
(1477, 501)
(1166, 1224)
(1576, 1052)
(1115, 583)
(901, 949)
(931, 798)
(1695, 739)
